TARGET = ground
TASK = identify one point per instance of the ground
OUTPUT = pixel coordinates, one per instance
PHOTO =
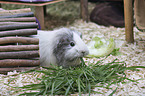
(60, 15)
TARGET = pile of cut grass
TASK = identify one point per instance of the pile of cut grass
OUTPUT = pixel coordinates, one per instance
(81, 79)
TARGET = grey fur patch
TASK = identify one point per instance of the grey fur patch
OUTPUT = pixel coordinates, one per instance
(62, 46)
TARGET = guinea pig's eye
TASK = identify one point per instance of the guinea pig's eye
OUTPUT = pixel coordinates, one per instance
(72, 44)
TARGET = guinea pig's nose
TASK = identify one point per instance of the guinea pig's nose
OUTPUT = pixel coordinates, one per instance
(84, 52)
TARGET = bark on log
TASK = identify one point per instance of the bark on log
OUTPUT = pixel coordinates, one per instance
(29, 14)
(20, 32)
(19, 63)
(12, 12)
(19, 55)
(18, 69)
(20, 19)
(16, 23)
(24, 40)
(20, 26)
(18, 48)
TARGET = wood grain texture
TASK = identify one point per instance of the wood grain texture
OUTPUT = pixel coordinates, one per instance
(128, 14)
(19, 55)
(10, 48)
(24, 40)
(19, 32)
(19, 63)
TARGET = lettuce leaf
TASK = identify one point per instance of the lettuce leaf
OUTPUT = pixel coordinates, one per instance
(99, 47)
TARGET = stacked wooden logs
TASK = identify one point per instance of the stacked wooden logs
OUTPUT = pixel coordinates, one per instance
(17, 48)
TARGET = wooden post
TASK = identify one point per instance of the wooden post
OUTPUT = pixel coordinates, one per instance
(40, 16)
(84, 10)
(128, 14)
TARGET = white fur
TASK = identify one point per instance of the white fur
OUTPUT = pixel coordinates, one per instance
(46, 45)
(49, 39)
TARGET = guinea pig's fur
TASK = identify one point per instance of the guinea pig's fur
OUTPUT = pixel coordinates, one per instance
(62, 47)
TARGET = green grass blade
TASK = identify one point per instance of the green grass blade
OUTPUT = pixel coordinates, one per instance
(68, 89)
(52, 90)
(79, 86)
(83, 62)
(113, 92)
(89, 88)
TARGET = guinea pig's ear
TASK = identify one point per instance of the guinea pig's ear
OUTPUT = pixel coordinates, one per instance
(79, 33)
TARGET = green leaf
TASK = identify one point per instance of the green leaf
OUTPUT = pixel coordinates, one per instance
(99, 47)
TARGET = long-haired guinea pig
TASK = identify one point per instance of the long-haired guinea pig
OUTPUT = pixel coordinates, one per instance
(62, 47)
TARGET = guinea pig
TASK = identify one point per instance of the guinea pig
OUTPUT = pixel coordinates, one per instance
(62, 47)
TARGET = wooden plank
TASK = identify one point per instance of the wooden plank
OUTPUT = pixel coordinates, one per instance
(18, 48)
(18, 63)
(31, 4)
(20, 32)
(84, 10)
(19, 55)
(128, 14)
(24, 40)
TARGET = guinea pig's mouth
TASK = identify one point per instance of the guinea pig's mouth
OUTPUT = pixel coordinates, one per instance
(73, 59)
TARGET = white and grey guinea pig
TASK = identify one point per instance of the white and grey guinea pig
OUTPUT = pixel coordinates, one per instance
(62, 47)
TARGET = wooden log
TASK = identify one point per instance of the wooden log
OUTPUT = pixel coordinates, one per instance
(29, 14)
(24, 40)
(18, 48)
(19, 55)
(20, 26)
(18, 69)
(20, 19)
(128, 14)
(18, 63)
(20, 32)
(15, 23)
(13, 12)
